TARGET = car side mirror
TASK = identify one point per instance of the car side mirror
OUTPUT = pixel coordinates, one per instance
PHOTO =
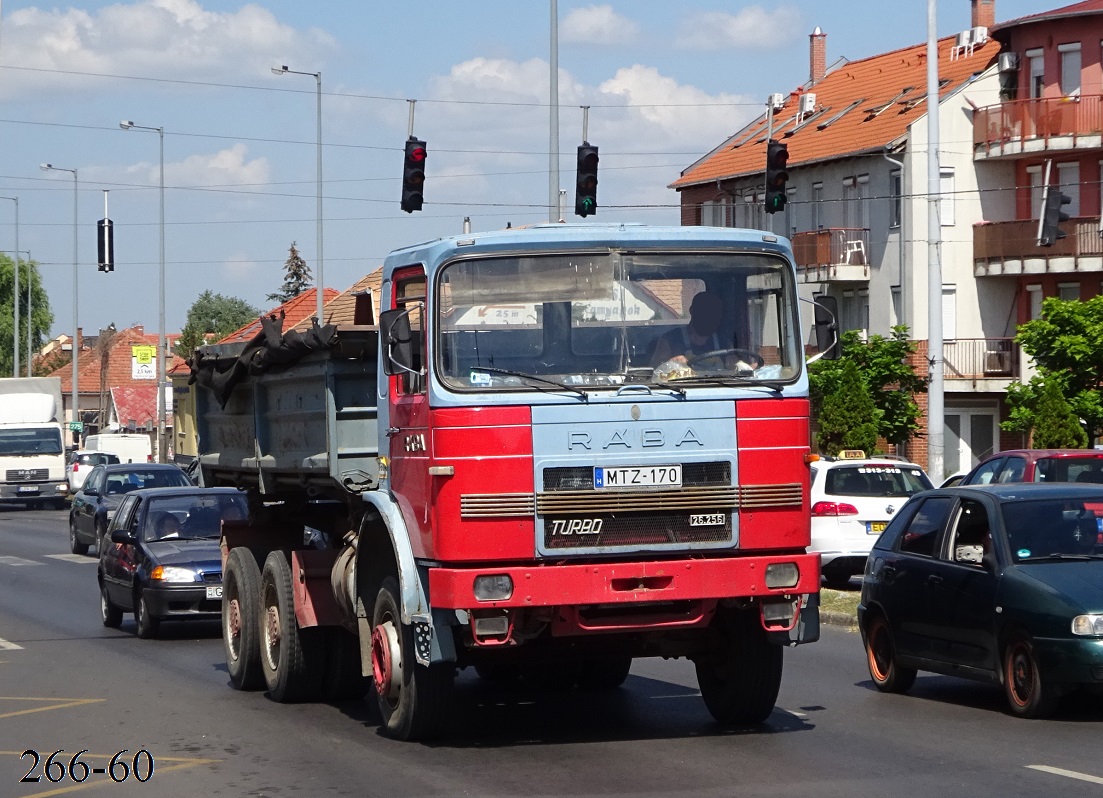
(91, 492)
(124, 536)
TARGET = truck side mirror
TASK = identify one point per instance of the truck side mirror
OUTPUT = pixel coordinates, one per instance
(398, 341)
(827, 326)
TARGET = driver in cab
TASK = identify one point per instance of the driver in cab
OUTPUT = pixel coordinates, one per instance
(706, 311)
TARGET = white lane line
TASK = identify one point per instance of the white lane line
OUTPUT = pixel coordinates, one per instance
(77, 558)
(16, 561)
(6, 646)
(1068, 774)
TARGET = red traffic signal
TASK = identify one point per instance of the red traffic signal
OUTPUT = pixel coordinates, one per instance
(413, 175)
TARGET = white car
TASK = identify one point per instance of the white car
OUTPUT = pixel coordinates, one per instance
(80, 465)
(853, 498)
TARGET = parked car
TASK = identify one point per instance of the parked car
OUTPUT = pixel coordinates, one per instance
(1038, 465)
(1001, 583)
(954, 479)
(163, 560)
(80, 465)
(853, 498)
(103, 490)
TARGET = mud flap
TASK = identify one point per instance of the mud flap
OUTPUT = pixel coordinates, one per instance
(807, 629)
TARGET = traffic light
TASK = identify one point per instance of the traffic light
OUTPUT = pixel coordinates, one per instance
(1049, 230)
(777, 155)
(413, 175)
(585, 192)
(105, 239)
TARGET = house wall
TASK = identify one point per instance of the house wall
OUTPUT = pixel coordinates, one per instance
(1048, 35)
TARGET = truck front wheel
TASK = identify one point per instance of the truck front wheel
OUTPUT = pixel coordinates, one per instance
(414, 699)
(240, 627)
(291, 658)
(741, 677)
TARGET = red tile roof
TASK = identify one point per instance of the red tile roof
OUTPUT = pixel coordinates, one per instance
(295, 310)
(114, 367)
(340, 310)
(1075, 10)
(871, 98)
(137, 403)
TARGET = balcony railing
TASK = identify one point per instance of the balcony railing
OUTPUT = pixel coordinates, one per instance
(835, 253)
(1017, 240)
(1028, 125)
(980, 358)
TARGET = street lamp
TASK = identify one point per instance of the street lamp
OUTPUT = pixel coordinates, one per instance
(162, 354)
(15, 293)
(283, 70)
(49, 167)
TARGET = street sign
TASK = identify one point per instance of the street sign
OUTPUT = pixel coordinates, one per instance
(76, 426)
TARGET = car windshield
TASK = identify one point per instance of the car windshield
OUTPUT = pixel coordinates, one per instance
(876, 480)
(1054, 529)
(44, 440)
(602, 320)
(145, 478)
(1070, 469)
(191, 517)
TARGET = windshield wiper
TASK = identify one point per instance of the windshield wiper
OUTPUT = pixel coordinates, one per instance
(732, 380)
(1059, 556)
(533, 378)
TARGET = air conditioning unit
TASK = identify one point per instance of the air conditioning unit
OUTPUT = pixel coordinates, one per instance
(776, 101)
(1008, 62)
(807, 103)
(965, 38)
(979, 35)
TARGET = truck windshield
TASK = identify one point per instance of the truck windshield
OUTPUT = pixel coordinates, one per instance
(608, 319)
(46, 440)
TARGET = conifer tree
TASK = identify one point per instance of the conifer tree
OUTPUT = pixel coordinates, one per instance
(848, 417)
(1056, 425)
(297, 277)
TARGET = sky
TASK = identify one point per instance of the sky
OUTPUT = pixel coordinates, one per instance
(665, 83)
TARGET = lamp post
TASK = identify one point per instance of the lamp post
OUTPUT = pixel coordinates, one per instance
(49, 167)
(162, 354)
(283, 70)
(15, 294)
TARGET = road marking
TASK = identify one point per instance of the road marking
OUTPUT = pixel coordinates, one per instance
(181, 764)
(6, 646)
(16, 561)
(1068, 774)
(83, 559)
(65, 703)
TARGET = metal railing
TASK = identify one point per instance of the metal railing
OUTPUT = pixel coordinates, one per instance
(832, 246)
(980, 358)
(1019, 239)
(1038, 118)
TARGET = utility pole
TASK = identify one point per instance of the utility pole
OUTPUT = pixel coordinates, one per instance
(936, 415)
(553, 116)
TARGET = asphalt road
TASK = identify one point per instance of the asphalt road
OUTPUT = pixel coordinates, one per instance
(68, 683)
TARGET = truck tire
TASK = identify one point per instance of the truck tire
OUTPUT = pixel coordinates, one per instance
(604, 674)
(290, 657)
(414, 700)
(240, 620)
(740, 680)
(344, 679)
(75, 545)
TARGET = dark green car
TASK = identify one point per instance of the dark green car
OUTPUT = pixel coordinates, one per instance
(1002, 583)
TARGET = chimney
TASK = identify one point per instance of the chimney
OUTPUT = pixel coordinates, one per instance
(817, 54)
(984, 13)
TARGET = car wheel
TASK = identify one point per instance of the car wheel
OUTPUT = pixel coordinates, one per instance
(101, 537)
(240, 619)
(414, 700)
(741, 677)
(1027, 694)
(146, 623)
(112, 616)
(887, 674)
(75, 545)
(604, 674)
(291, 658)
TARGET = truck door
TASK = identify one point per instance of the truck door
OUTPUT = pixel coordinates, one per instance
(409, 432)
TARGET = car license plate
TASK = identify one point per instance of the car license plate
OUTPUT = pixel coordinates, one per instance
(214, 591)
(876, 527)
(27, 489)
(662, 476)
(709, 519)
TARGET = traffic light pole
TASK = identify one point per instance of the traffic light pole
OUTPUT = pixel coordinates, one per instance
(769, 221)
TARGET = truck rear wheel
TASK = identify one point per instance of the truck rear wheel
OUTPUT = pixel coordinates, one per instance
(290, 657)
(604, 674)
(344, 677)
(740, 680)
(240, 624)
(414, 700)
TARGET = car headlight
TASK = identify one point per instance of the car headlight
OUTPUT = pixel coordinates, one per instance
(1087, 625)
(172, 574)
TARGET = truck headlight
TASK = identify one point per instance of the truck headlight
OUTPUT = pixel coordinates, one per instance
(1087, 625)
(782, 574)
(494, 587)
(171, 573)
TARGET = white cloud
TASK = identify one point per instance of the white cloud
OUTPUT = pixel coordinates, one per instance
(597, 25)
(227, 167)
(752, 26)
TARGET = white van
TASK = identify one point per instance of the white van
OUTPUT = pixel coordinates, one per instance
(131, 448)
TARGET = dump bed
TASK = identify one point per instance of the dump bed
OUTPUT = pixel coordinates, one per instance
(286, 425)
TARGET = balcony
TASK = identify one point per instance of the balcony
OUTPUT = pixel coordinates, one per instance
(977, 359)
(1038, 125)
(835, 254)
(1010, 248)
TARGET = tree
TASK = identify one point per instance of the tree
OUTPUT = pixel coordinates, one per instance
(1066, 344)
(213, 316)
(848, 418)
(297, 277)
(890, 381)
(42, 317)
(1057, 426)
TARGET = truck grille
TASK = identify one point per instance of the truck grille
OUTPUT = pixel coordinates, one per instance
(28, 474)
(636, 529)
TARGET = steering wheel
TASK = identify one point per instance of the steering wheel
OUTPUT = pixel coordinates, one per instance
(747, 356)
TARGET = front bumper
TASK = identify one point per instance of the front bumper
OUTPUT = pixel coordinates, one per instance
(1070, 660)
(14, 491)
(185, 600)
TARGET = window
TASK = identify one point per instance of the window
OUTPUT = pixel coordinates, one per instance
(946, 197)
(791, 211)
(896, 309)
(1037, 73)
(850, 199)
(1068, 292)
(817, 201)
(896, 198)
(985, 475)
(921, 534)
(409, 293)
(1070, 68)
(1035, 174)
(1068, 180)
(712, 213)
(1035, 297)
(1012, 470)
(949, 312)
(972, 537)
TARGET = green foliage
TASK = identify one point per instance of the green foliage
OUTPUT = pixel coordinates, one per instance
(42, 317)
(297, 277)
(848, 418)
(888, 379)
(1057, 426)
(1067, 346)
(211, 317)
